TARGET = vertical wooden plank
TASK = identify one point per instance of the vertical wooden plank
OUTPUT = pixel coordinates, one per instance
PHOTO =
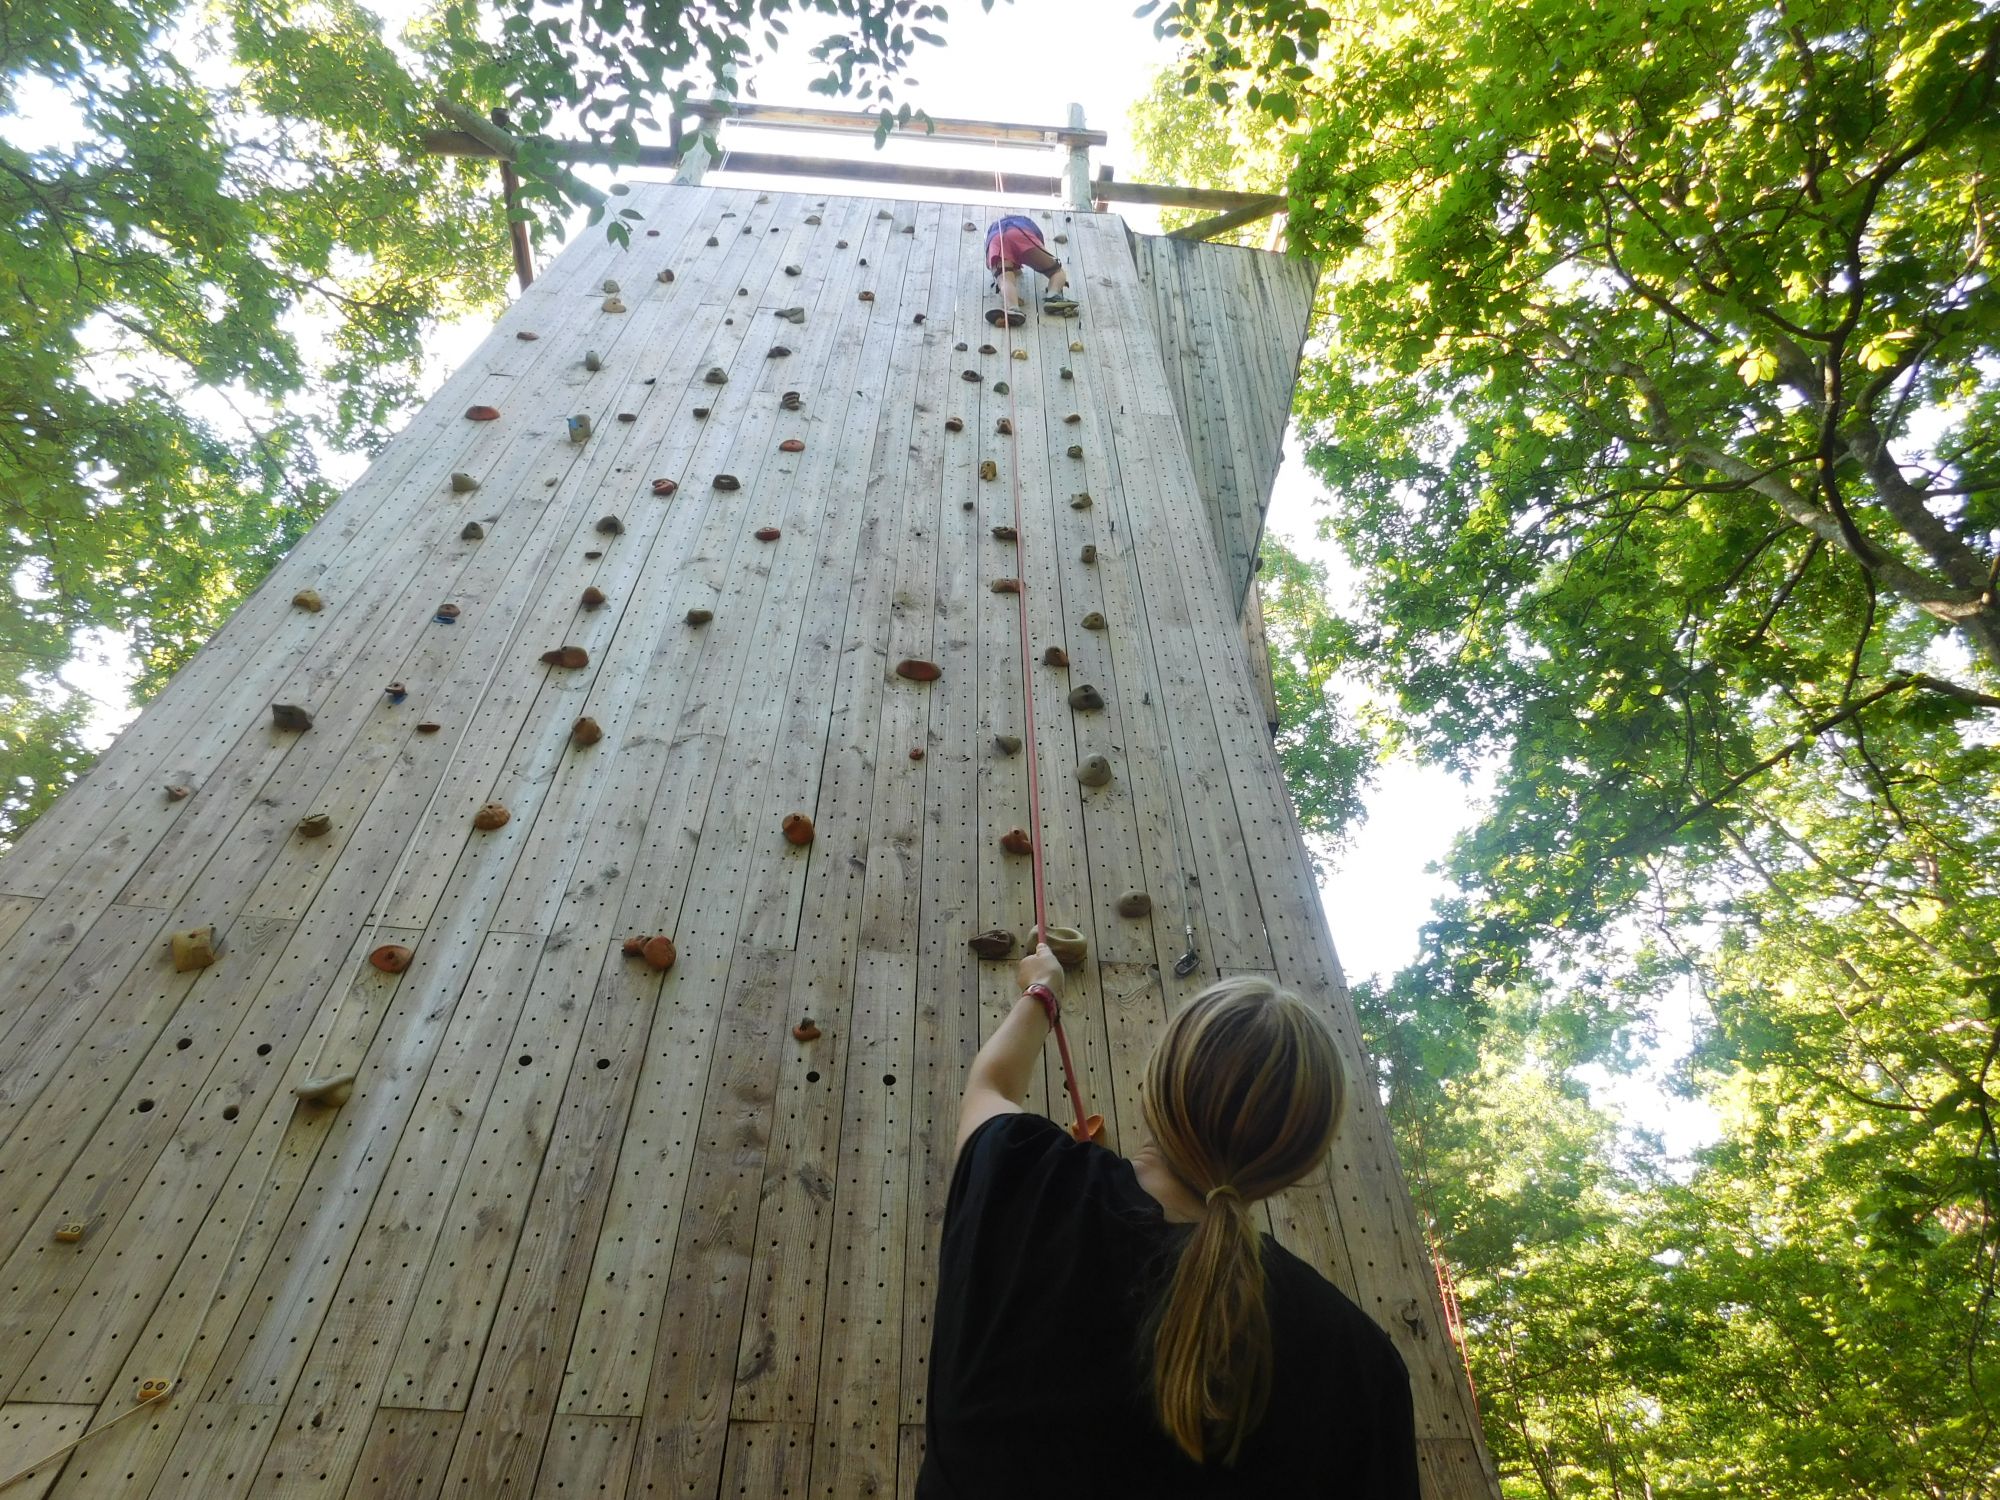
(766, 1461)
(29, 1432)
(587, 1456)
(404, 1455)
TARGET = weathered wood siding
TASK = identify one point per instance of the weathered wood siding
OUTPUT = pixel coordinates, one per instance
(584, 1228)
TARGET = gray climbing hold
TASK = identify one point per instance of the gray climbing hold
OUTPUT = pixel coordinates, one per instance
(592, 360)
(463, 483)
(1134, 904)
(1076, 450)
(1080, 500)
(1007, 744)
(315, 826)
(579, 429)
(716, 376)
(1085, 699)
(611, 288)
(777, 351)
(727, 482)
(1094, 771)
(795, 270)
(700, 616)
(713, 242)
(610, 526)
(791, 314)
(472, 531)
(1093, 621)
(1001, 388)
(1089, 553)
(290, 716)
(1067, 373)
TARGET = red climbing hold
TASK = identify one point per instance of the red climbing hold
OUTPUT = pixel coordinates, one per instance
(1016, 841)
(792, 445)
(567, 656)
(659, 953)
(918, 671)
(391, 958)
(767, 533)
(798, 829)
(482, 414)
(664, 486)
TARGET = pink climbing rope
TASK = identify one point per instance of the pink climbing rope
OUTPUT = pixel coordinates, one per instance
(1082, 1131)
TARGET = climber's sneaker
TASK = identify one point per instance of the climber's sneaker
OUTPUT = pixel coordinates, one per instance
(1061, 304)
(1012, 317)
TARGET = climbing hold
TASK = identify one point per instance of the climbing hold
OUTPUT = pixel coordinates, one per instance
(526, 337)
(883, 213)
(628, 416)
(585, 731)
(490, 817)
(1089, 553)
(1003, 427)
(1091, 1132)
(970, 226)
(716, 376)
(791, 314)
(988, 349)
(447, 614)
(665, 486)
(700, 616)
(954, 424)
(482, 413)
(961, 346)
(699, 413)
(309, 601)
(592, 360)
(179, 793)
(795, 270)
(391, 958)
(777, 351)
(593, 597)
(812, 218)
(790, 401)
(1093, 621)
(1006, 585)
(633, 947)
(909, 229)
(315, 826)
(192, 948)
(592, 556)
(1076, 346)
(1055, 656)
(1094, 771)
(1004, 533)
(798, 829)
(613, 305)
(1072, 419)
(71, 1233)
(792, 445)
(766, 533)
(659, 953)
(1134, 904)
(805, 1031)
(1067, 373)
(472, 531)
(1080, 500)
(1076, 450)
(1070, 947)
(1020, 354)
(397, 692)
(965, 505)
(609, 526)
(995, 942)
(334, 1088)
(567, 656)
(579, 429)
(1062, 239)
(1007, 744)
(916, 752)
(1016, 841)
(728, 482)
(429, 728)
(713, 242)
(153, 1390)
(1001, 388)
(867, 296)
(665, 277)
(463, 483)
(290, 716)
(611, 287)
(918, 319)
(988, 469)
(913, 670)
(840, 244)
(971, 375)
(1086, 698)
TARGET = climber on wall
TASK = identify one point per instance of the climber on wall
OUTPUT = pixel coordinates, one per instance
(1011, 243)
(1108, 1326)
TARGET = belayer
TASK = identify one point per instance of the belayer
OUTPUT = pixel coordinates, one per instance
(1109, 1327)
(1011, 243)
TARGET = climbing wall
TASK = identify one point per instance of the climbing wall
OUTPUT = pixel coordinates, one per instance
(560, 1221)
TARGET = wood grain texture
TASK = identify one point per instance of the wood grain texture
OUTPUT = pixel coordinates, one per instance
(585, 1227)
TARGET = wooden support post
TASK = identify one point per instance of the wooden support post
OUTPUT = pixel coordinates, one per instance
(517, 227)
(1077, 175)
(695, 157)
(507, 147)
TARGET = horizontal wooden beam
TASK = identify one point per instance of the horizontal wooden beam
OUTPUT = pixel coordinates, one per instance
(458, 143)
(862, 122)
(1250, 213)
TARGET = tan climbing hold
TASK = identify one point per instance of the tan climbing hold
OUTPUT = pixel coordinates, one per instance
(988, 469)
(1092, 621)
(585, 731)
(1094, 771)
(593, 598)
(592, 360)
(567, 656)
(315, 826)
(805, 1031)
(152, 1390)
(472, 531)
(1003, 427)
(913, 670)
(610, 526)
(1005, 534)
(659, 953)
(1007, 744)
(798, 829)
(1016, 841)
(1135, 904)
(995, 942)
(1089, 553)
(700, 616)
(1006, 585)
(954, 424)
(490, 817)
(309, 601)
(391, 958)
(792, 445)
(1072, 419)
(665, 486)
(397, 692)
(333, 1089)
(1055, 656)
(71, 1233)
(1071, 948)
(1086, 698)
(192, 948)
(1076, 346)
(463, 483)
(179, 793)
(728, 482)
(867, 296)
(291, 717)
(482, 414)
(613, 305)
(716, 376)
(1080, 500)
(1020, 354)
(1076, 450)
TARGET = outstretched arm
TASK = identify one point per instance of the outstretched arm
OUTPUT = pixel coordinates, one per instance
(997, 1083)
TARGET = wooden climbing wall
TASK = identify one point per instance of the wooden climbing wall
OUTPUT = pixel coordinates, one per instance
(584, 1227)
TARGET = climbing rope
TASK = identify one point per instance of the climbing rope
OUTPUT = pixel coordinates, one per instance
(1081, 1130)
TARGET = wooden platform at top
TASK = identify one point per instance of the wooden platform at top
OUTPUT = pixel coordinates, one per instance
(584, 1228)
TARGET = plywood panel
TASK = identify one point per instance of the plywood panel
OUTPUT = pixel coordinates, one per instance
(585, 1227)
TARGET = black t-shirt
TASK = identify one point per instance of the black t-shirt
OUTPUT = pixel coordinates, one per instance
(1052, 1260)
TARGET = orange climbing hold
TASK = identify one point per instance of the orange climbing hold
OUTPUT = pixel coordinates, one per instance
(391, 958)
(1092, 1130)
(806, 1031)
(798, 829)
(490, 817)
(792, 445)
(664, 486)
(1016, 841)
(567, 656)
(585, 731)
(482, 414)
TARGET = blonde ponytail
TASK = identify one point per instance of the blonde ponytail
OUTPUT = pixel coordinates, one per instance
(1242, 1097)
